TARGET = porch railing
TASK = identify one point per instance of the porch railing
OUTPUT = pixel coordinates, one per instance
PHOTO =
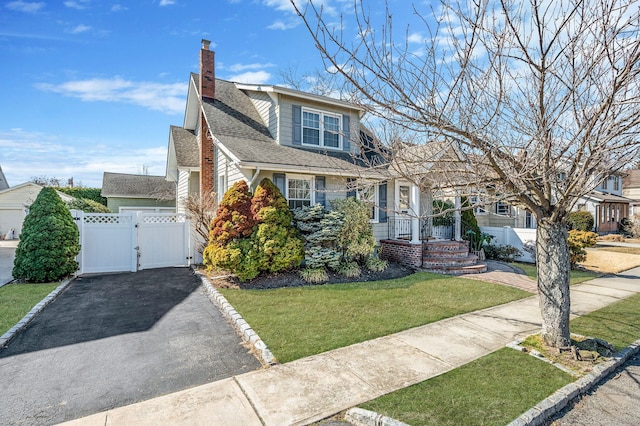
(400, 229)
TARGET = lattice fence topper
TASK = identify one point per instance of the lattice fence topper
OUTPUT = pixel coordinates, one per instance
(107, 218)
(163, 219)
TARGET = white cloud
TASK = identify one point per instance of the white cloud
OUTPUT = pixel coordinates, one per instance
(251, 77)
(286, 6)
(168, 98)
(23, 6)
(244, 67)
(118, 8)
(415, 38)
(281, 25)
(25, 154)
(80, 29)
(167, 2)
(78, 5)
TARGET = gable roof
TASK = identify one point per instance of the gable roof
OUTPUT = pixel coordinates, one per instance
(237, 125)
(3, 180)
(185, 145)
(35, 190)
(607, 198)
(136, 186)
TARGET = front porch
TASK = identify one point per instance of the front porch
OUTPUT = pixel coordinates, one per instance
(419, 244)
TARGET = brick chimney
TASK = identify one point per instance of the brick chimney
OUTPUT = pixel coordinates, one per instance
(207, 71)
(207, 91)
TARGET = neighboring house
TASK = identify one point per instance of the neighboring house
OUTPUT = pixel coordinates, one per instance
(3, 180)
(631, 190)
(138, 193)
(14, 207)
(607, 204)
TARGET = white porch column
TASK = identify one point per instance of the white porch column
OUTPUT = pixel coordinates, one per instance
(458, 218)
(415, 214)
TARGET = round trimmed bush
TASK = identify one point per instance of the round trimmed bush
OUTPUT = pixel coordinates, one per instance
(49, 241)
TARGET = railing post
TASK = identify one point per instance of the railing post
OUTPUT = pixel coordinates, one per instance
(458, 219)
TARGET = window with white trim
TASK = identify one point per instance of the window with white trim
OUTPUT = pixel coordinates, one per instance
(616, 183)
(320, 128)
(299, 191)
(503, 209)
(369, 194)
(478, 204)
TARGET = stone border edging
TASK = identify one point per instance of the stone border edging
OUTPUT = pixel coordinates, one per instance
(361, 417)
(13, 331)
(553, 404)
(242, 327)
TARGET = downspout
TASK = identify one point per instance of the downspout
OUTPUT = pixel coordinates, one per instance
(255, 176)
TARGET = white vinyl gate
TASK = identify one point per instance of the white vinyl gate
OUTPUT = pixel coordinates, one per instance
(111, 242)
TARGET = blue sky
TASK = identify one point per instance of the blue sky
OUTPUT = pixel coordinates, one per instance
(89, 86)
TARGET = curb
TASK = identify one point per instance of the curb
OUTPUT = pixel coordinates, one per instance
(360, 417)
(242, 327)
(555, 403)
(22, 324)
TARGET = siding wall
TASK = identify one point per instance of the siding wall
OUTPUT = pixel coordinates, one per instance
(183, 190)
(114, 203)
(267, 110)
(285, 109)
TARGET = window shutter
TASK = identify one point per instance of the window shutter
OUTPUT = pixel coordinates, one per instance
(279, 180)
(382, 202)
(321, 195)
(350, 192)
(297, 125)
(346, 133)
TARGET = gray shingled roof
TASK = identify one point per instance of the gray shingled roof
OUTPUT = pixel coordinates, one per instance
(235, 122)
(137, 186)
(186, 146)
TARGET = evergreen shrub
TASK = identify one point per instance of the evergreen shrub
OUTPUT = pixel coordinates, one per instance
(87, 205)
(49, 241)
(581, 221)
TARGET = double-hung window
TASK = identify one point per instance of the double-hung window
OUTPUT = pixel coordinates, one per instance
(321, 128)
(299, 191)
(369, 194)
(478, 205)
(503, 209)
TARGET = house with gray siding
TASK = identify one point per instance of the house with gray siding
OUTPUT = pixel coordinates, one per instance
(310, 146)
(138, 193)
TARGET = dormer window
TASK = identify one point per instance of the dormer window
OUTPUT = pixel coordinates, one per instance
(321, 129)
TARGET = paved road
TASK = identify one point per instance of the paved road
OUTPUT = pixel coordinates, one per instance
(7, 253)
(113, 340)
(616, 401)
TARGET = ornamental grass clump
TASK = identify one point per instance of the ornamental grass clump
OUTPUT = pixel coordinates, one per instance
(49, 241)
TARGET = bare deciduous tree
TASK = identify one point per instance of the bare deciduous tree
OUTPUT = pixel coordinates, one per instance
(201, 209)
(541, 97)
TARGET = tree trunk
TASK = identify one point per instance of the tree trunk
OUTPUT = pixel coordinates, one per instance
(553, 263)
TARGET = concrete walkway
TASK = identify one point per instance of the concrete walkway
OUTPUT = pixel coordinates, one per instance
(310, 389)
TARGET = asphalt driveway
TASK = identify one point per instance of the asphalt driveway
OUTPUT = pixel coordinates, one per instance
(112, 340)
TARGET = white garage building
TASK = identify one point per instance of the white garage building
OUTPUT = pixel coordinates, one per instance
(14, 206)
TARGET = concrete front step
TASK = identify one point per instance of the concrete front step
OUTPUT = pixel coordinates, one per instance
(452, 270)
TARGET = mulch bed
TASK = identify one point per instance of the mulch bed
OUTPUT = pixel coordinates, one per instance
(221, 279)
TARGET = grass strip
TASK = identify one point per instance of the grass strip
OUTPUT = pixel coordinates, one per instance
(302, 321)
(618, 324)
(16, 300)
(492, 390)
(497, 388)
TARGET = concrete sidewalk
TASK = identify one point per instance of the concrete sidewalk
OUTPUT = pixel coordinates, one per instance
(310, 389)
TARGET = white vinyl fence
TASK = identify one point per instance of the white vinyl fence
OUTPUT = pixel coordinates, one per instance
(111, 242)
(516, 237)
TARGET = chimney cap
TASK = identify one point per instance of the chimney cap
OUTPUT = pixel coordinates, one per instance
(205, 44)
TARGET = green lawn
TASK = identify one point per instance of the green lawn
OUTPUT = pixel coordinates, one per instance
(497, 388)
(575, 276)
(16, 300)
(302, 321)
(492, 390)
